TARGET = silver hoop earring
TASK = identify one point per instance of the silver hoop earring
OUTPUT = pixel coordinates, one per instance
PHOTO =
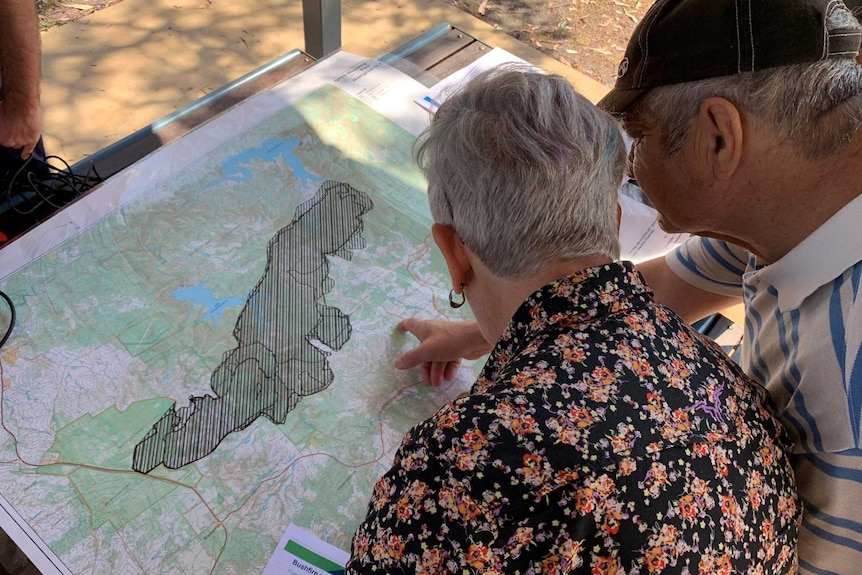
(456, 304)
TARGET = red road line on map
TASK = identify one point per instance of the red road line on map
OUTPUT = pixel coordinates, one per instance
(79, 465)
(3, 418)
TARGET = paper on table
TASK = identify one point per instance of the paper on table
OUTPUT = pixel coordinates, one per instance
(385, 90)
(300, 553)
(641, 238)
(432, 99)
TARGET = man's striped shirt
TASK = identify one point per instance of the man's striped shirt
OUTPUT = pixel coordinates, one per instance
(803, 341)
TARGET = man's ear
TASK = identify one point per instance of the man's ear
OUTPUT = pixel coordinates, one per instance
(454, 252)
(719, 137)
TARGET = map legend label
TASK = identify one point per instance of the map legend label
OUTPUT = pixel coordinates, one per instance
(301, 553)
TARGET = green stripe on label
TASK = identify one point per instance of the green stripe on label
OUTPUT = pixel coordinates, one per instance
(310, 556)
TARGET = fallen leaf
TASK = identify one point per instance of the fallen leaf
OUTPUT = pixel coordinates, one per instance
(77, 6)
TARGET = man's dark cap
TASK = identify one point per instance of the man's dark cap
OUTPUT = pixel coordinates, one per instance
(687, 40)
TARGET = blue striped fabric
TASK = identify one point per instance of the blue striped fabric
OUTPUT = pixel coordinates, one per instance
(803, 341)
(722, 273)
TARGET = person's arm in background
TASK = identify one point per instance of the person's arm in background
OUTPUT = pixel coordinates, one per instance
(20, 74)
(713, 263)
(687, 301)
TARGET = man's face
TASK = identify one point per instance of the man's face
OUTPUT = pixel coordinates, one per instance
(667, 180)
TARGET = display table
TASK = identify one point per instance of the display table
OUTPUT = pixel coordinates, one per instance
(130, 302)
(205, 341)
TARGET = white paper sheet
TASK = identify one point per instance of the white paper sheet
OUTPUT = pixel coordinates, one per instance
(641, 238)
(431, 99)
(300, 553)
(385, 90)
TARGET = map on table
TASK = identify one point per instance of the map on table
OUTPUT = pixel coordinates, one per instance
(213, 360)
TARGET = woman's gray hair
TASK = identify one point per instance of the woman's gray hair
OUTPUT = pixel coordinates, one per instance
(526, 171)
(816, 107)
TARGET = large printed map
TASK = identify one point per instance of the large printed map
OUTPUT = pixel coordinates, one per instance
(169, 321)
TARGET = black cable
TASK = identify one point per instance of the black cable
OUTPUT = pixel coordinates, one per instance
(45, 184)
(11, 318)
(48, 184)
(39, 181)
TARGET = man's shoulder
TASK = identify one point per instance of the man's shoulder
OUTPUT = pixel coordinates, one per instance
(712, 265)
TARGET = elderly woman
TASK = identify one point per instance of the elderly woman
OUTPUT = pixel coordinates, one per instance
(604, 435)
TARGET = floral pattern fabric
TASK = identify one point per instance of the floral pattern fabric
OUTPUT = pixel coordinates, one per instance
(604, 436)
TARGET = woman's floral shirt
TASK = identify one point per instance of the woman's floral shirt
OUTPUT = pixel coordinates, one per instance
(604, 436)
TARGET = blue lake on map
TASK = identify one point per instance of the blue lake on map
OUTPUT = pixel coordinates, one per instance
(198, 294)
(235, 170)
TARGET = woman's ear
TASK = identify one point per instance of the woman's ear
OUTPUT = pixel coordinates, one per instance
(454, 253)
(719, 137)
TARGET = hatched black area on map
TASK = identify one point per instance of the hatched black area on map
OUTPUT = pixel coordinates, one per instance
(279, 358)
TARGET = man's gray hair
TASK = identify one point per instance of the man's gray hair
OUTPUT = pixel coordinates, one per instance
(816, 107)
(526, 171)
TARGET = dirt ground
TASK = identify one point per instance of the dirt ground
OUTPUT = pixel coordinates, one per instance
(56, 13)
(589, 35)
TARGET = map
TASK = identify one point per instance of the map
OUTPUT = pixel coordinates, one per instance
(213, 360)
(276, 363)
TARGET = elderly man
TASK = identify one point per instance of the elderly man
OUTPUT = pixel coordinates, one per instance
(603, 435)
(745, 117)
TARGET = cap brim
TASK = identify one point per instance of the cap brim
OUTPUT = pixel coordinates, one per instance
(617, 101)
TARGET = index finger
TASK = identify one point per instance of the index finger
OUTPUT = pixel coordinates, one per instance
(414, 326)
